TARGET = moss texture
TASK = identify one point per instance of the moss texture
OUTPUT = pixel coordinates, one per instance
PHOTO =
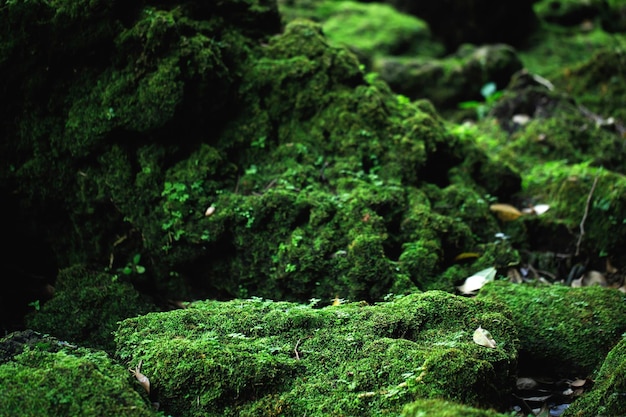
(43, 376)
(258, 357)
(607, 396)
(308, 163)
(562, 330)
(441, 408)
(96, 302)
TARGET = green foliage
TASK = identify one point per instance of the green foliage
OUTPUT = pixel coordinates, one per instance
(491, 97)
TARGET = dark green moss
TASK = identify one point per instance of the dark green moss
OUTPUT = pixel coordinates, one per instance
(94, 301)
(607, 395)
(50, 380)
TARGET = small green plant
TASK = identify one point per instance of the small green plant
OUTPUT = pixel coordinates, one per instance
(259, 143)
(133, 267)
(491, 95)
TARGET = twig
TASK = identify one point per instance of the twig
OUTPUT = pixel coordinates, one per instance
(582, 222)
(295, 350)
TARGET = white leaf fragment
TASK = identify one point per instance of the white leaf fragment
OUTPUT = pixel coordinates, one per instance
(483, 337)
(476, 281)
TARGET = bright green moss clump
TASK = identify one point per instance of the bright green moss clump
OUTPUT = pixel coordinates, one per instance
(251, 357)
(87, 307)
(563, 330)
(52, 378)
(441, 408)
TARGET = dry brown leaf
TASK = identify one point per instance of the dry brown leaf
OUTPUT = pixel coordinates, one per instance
(505, 212)
(610, 269)
(593, 278)
(466, 255)
(483, 337)
(514, 275)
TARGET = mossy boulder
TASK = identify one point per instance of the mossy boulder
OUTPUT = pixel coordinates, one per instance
(607, 396)
(245, 357)
(451, 80)
(375, 29)
(586, 211)
(562, 330)
(236, 160)
(442, 408)
(95, 301)
(570, 12)
(44, 376)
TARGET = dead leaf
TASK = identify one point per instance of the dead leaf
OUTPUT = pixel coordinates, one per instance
(514, 275)
(610, 269)
(578, 383)
(505, 212)
(483, 337)
(476, 281)
(526, 383)
(590, 278)
(466, 255)
(537, 209)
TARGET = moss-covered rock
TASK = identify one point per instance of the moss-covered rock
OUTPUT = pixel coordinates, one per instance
(562, 330)
(44, 376)
(95, 301)
(570, 12)
(375, 29)
(441, 408)
(607, 396)
(238, 163)
(579, 194)
(251, 357)
(453, 79)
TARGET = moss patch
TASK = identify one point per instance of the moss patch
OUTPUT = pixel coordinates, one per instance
(243, 356)
(561, 329)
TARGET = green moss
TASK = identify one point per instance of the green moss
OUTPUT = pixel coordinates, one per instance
(372, 29)
(565, 47)
(94, 301)
(562, 329)
(598, 83)
(607, 395)
(310, 165)
(243, 356)
(441, 408)
(567, 189)
(71, 382)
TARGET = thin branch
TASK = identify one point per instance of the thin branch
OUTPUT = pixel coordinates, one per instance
(582, 222)
(295, 350)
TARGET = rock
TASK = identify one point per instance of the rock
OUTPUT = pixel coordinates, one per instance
(241, 356)
(563, 331)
